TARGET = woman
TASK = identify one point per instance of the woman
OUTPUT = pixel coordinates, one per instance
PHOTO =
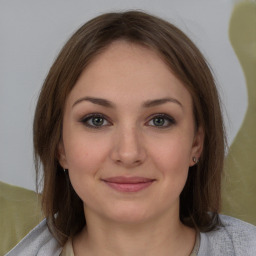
(129, 132)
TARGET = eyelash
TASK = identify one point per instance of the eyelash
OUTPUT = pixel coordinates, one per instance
(170, 120)
(85, 120)
(167, 119)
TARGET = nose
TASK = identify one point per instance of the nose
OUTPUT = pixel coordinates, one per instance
(129, 149)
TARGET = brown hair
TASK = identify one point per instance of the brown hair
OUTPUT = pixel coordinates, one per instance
(200, 198)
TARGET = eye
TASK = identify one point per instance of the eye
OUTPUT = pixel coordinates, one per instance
(161, 121)
(95, 121)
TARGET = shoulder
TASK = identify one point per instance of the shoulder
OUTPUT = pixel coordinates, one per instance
(20, 212)
(233, 225)
(235, 237)
(39, 242)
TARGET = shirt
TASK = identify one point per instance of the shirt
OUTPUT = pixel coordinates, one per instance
(235, 238)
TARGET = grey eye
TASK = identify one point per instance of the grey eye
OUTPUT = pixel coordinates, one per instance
(161, 121)
(95, 121)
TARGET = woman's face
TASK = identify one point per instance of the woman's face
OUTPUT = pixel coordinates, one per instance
(129, 136)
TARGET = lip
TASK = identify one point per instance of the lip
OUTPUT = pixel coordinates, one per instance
(128, 184)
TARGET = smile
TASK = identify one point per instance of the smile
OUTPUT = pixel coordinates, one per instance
(128, 184)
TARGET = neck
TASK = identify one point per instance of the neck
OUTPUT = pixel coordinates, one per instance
(154, 237)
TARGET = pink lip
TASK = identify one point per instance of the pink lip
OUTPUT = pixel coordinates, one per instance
(128, 184)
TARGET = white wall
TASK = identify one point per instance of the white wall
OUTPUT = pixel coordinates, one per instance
(32, 33)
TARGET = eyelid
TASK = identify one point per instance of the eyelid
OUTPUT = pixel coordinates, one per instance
(84, 120)
(167, 117)
(87, 117)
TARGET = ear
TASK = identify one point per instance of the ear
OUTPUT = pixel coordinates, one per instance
(197, 146)
(62, 155)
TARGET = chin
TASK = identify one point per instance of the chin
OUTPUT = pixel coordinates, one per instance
(129, 215)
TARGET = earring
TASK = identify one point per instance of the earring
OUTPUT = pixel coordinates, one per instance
(65, 170)
(195, 160)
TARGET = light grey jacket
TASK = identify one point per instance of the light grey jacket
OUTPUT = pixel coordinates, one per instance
(236, 238)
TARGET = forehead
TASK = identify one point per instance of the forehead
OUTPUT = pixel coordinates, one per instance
(126, 70)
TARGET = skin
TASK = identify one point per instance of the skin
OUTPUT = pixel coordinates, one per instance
(131, 140)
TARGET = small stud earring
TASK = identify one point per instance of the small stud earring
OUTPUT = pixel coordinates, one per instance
(195, 160)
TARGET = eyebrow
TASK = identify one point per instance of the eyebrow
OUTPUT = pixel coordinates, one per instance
(109, 104)
(98, 101)
(157, 102)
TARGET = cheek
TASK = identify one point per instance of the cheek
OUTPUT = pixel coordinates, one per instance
(172, 153)
(85, 154)
(172, 158)
(86, 157)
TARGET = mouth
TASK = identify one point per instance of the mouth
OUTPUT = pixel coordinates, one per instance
(128, 184)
